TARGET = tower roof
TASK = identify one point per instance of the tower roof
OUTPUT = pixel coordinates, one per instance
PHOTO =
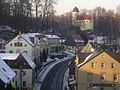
(75, 9)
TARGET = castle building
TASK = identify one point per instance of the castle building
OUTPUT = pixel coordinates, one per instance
(84, 21)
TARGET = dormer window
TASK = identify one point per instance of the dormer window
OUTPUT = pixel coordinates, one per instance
(4, 69)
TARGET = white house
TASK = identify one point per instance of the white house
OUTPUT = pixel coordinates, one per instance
(22, 43)
(54, 44)
(23, 66)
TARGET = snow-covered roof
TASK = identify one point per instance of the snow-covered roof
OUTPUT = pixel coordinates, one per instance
(52, 36)
(86, 60)
(25, 36)
(29, 61)
(6, 73)
(28, 37)
(9, 56)
(12, 56)
(79, 40)
(32, 34)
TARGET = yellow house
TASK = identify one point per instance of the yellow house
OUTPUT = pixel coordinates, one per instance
(99, 71)
(88, 48)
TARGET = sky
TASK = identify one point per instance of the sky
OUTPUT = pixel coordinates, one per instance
(64, 6)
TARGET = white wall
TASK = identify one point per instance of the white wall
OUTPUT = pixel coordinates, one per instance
(28, 47)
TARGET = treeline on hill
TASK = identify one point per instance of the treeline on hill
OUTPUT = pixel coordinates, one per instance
(106, 22)
(39, 16)
(27, 15)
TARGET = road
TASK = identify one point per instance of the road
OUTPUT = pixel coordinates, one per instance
(54, 78)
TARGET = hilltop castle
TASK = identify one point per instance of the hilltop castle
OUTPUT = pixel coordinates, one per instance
(85, 22)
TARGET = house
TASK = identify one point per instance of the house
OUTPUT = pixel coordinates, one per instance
(22, 43)
(70, 43)
(99, 71)
(54, 45)
(23, 66)
(88, 48)
(85, 22)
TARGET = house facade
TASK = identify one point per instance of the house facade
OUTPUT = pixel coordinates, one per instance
(54, 45)
(23, 66)
(22, 43)
(99, 71)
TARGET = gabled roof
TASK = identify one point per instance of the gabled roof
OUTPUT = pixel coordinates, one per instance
(29, 61)
(10, 56)
(6, 73)
(15, 57)
(84, 17)
(89, 57)
(114, 55)
(29, 37)
(88, 48)
(82, 56)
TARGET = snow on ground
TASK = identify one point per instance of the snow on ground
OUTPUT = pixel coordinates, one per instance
(65, 80)
(42, 75)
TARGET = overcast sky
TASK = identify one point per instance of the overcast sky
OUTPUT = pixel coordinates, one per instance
(67, 5)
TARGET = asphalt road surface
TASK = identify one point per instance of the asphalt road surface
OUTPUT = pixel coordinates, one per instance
(54, 78)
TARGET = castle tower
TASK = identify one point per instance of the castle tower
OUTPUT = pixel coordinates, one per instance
(75, 13)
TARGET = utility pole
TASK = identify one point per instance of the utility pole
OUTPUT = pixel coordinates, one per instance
(20, 87)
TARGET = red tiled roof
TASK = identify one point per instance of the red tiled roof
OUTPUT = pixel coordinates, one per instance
(84, 17)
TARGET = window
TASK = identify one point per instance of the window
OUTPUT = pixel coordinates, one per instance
(93, 65)
(10, 44)
(24, 83)
(102, 77)
(11, 51)
(102, 65)
(3, 69)
(25, 45)
(113, 65)
(115, 78)
(25, 51)
(24, 72)
(18, 44)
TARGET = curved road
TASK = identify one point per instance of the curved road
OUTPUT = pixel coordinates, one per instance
(54, 78)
